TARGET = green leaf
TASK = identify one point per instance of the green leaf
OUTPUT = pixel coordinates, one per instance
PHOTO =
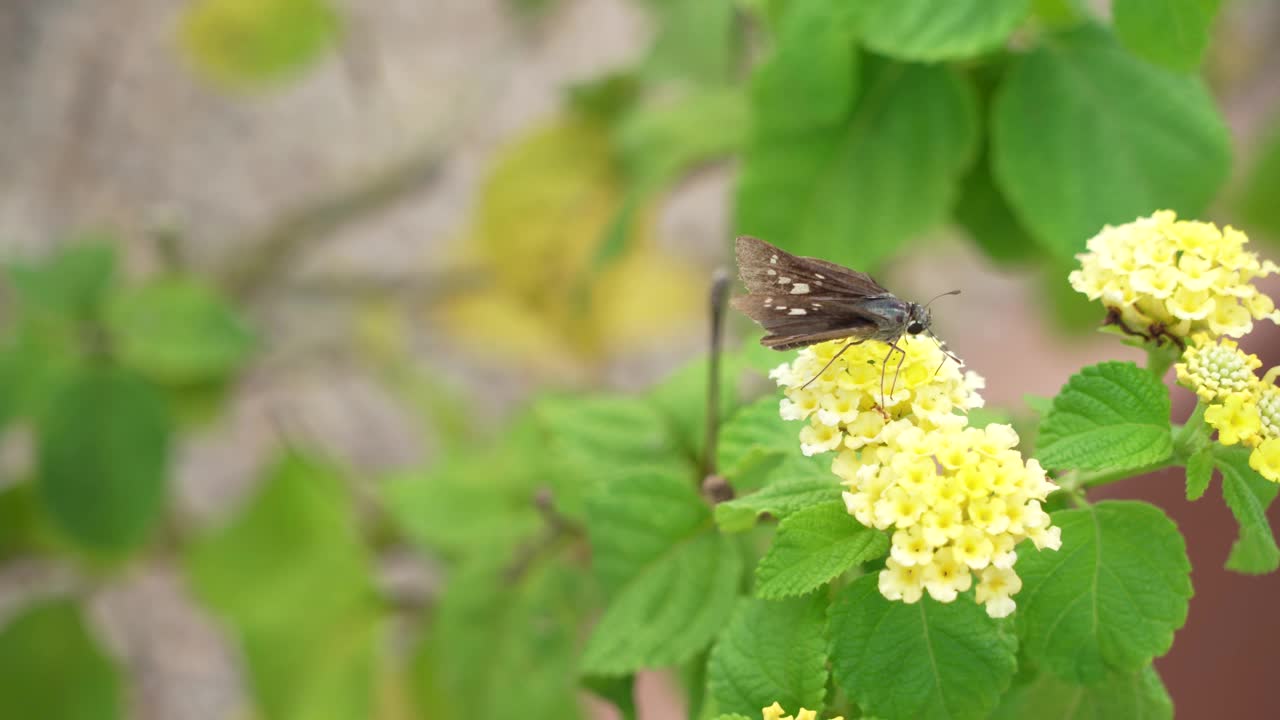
(1248, 494)
(619, 691)
(797, 483)
(178, 331)
(598, 437)
(311, 623)
(1256, 204)
(496, 487)
(246, 43)
(670, 578)
(814, 546)
(772, 652)
(1111, 416)
(932, 30)
(498, 621)
(810, 80)
(855, 192)
(427, 506)
(732, 717)
(1199, 473)
(103, 455)
(1059, 13)
(1173, 33)
(923, 660)
(985, 214)
(695, 41)
(1135, 696)
(50, 667)
(1080, 112)
(1110, 600)
(72, 283)
(753, 435)
(657, 144)
(681, 399)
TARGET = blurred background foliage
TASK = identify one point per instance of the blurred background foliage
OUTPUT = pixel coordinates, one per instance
(458, 582)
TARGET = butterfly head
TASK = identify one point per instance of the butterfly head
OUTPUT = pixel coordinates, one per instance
(918, 319)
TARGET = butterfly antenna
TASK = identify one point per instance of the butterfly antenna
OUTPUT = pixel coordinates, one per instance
(943, 347)
(942, 295)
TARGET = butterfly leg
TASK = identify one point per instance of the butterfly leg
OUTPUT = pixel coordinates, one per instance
(884, 367)
(833, 359)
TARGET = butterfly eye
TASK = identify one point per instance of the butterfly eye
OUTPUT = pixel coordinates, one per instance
(915, 328)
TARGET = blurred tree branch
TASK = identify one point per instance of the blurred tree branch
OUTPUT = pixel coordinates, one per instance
(274, 248)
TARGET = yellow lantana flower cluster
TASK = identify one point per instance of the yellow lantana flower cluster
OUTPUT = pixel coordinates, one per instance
(957, 498)
(1244, 409)
(1163, 277)
(774, 712)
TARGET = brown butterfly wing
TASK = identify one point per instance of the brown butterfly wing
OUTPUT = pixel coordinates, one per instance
(793, 322)
(767, 269)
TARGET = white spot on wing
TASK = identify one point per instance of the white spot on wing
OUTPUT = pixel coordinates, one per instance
(784, 280)
(797, 311)
(820, 277)
(772, 271)
(799, 289)
(773, 260)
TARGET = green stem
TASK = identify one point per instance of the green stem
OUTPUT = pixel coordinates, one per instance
(1188, 439)
(1162, 357)
(1093, 479)
(1192, 437)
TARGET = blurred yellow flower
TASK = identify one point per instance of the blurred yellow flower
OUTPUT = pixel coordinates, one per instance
(957, 498)
(1160, 277)
(774, 712)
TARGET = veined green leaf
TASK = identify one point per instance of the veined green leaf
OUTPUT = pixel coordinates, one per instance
(772, 652)
(923, 660)
(812, 547)
(670, 578)
(1122, 137)
(1111, 416)
(1248, 494)
(1199, 473)
(594, 438)
(854, 192)
(504, 619)
(795, 484)
(754, 434)
(1135, 696)
(1110, 600)
(809, 82)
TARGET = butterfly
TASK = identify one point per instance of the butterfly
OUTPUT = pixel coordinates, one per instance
(802, 301)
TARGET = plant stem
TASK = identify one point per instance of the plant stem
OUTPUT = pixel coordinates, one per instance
(719, 298)
(1093, 479)
(1161, 357)
(1192, 437)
